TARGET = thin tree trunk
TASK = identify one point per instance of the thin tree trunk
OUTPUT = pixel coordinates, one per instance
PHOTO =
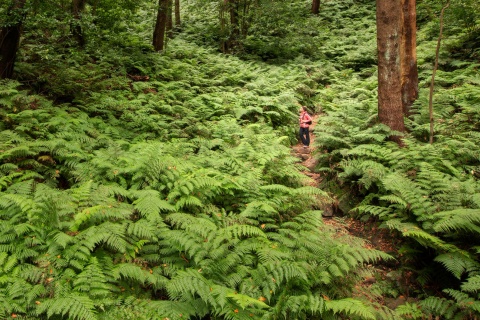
(315, 6)
(77, 8)
(245, 23)
(177, 13)
(390, 110)
(234, 23)
(160, 26)
(169, 27)
(408, 56)
(430, 99)
(223, 26)
(10, 39)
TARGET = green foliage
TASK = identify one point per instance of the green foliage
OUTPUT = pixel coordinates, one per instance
(175, 197)
(426, 194)
(140, 185)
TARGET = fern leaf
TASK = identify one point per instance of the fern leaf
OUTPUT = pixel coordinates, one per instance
(349, 307)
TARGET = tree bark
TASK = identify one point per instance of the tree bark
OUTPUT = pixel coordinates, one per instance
(169, 27)
(408, 55)
(77, 8)
(390, 111)
(435, 67)
(177, 13)
(315, 6)
(160, 25)
(234, 22)
(223, 26)
(10, 39)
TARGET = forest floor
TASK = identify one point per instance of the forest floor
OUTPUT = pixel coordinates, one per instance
(375, 237)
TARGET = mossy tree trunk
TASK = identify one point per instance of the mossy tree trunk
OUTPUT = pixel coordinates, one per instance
(234, 23)
(390, 109)
(177, 13)
(408, 55)
(169, 27)
(10, 38)
(160, 25)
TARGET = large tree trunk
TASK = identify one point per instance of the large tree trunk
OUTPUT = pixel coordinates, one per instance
(408, 55)
(169, 27)
(10, 39)
(315, 6)
(160, 25)
(77, 8)
(390, 111)
(177, 13)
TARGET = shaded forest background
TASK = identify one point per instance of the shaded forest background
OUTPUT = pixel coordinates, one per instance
(146, 169)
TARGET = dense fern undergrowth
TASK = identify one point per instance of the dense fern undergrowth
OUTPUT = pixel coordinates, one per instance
(426, 195)
(140, 185)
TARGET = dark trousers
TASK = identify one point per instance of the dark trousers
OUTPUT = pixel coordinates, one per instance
(305, 136)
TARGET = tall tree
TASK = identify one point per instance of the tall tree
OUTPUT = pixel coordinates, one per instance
(160, 25)
(315, 6)
(77, 8)
(177, 13)
(408, 55)
(224, 30)
(390, 109)
(234, 22)
(169, 26)
(10, 38)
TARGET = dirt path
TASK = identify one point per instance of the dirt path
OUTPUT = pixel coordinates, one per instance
(379, 239)
(376, 238)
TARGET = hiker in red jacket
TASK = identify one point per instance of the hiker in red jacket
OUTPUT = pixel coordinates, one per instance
(305, 122)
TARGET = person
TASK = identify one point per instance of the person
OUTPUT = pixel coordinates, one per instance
(305, 122)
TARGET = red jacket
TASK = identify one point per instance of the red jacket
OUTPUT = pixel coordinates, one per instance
(304, 118)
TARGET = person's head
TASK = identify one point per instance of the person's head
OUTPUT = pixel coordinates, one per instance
(303, 109)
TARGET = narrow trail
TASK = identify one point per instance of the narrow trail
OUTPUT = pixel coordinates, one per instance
(379, 239)
(375, 238)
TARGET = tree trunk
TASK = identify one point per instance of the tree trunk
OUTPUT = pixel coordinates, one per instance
(223, 26)
(160, 25)
(315, 6)
(234, 23)
(169, 27)
(77, 8)
(177, 13)
(10, 39)
(390, 111)
(437, 51)
(408, 56)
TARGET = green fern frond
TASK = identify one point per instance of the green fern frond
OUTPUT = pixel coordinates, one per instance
(194, 225)
(92, 280)
(131, 272)
(456, 220)
(188, 201)
(73, 305)
(472, 284)
(457, 263)
(150, 204)
(245, 301)
(349, 307)
(426, 239)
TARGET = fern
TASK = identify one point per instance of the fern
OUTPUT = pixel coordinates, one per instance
(72, 305)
